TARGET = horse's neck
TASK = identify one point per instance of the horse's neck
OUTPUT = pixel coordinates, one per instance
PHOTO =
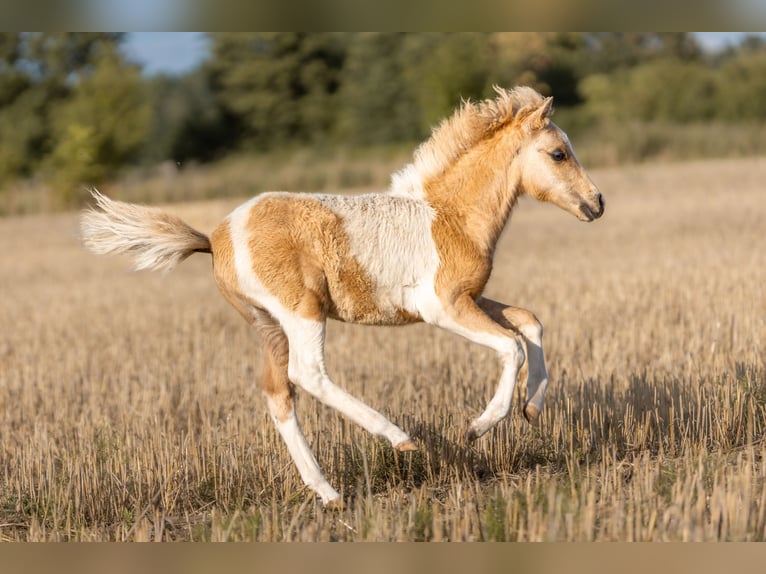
(477, 197)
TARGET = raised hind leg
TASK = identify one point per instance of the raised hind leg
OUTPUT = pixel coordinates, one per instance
(280, 394)
(307, 370)
(531, 330)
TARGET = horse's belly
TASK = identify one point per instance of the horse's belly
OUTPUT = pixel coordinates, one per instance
(373, 306)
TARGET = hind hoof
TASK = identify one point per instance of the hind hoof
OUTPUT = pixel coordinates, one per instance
(532, 414)
(406, 446)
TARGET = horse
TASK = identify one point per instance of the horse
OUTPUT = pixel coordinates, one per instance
(421, 251)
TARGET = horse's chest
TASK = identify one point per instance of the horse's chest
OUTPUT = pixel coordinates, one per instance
(462, 269)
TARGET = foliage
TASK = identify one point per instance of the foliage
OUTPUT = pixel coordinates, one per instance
(742, 85)
(374, 86)
(67, 103)
(665, 90)
(186, 121)
(378, 88)
(23, 129)
(278, 85)
(100, 127)
(443, 69)
(73, 110)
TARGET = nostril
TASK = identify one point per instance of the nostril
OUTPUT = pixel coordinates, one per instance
(600, 203)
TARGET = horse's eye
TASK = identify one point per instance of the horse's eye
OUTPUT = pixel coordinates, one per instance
(558, 155)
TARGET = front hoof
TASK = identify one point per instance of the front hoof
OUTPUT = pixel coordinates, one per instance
(336, 504)
(532, 414)
(471, 434)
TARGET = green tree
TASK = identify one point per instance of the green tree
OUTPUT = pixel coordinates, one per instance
(23, 103)
(279, 87)
(520, 58)
(186, 121)
(23, 132)
(13, 81)
(38, 71)
(378, 105)
(668, 90)
(100, 127)
(551, 62)
(742, 84)
(612, 51)
(444, 68)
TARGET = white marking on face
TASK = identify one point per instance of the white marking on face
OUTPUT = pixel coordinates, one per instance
(568, 144)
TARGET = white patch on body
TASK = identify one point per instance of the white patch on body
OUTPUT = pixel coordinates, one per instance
(407, 182)
(249, 282)
(390, 237)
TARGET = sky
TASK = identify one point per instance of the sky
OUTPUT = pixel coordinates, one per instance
(166, 52)
(180, 52)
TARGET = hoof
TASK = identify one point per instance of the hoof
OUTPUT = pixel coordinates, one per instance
(406, 446)
(532, 414)
(471, 434)
(334, 504)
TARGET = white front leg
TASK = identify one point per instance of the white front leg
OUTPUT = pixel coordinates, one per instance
(465, 318)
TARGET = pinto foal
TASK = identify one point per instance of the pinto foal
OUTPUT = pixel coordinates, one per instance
(420, 252)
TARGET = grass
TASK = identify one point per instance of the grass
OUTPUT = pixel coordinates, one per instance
(237, 176)
(129, 408)
(329, 168)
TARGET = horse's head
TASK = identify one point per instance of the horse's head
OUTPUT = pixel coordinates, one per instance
(549, 170)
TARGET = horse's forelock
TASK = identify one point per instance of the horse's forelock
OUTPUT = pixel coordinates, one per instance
(501, 110)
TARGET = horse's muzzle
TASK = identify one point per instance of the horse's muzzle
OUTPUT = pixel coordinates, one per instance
(592, 212)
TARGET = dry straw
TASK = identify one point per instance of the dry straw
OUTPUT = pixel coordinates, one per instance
(129, 410)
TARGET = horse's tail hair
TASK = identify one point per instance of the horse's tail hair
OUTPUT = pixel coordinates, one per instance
(156, 240)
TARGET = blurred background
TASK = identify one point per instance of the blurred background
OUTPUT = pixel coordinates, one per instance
(184, 116)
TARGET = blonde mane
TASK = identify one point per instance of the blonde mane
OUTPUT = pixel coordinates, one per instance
(455, 135)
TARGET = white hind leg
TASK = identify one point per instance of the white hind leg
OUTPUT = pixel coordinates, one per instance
(307, 370)
(280, 399)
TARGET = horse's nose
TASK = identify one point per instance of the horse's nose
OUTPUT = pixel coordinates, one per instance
(600, 203)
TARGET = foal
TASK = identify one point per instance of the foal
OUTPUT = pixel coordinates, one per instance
(420, 252)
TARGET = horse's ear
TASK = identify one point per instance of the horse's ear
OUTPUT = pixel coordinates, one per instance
(537, 118)
(547, 108)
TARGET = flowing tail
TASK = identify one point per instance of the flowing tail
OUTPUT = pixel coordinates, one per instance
(155, 239)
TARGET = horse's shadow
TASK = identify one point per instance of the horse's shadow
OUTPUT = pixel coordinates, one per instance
(447, 457)
(439, 460)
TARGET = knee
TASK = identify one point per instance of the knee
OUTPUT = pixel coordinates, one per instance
(281, 403)
(306, 375)
(513, 352)
(296, 372)
(279, 393)
(531, 328)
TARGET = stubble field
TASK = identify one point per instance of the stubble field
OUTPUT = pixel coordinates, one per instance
(129, 407)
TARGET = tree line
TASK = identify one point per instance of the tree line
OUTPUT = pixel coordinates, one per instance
(74, 111)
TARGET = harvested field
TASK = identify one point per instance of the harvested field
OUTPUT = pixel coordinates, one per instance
(129, 408)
